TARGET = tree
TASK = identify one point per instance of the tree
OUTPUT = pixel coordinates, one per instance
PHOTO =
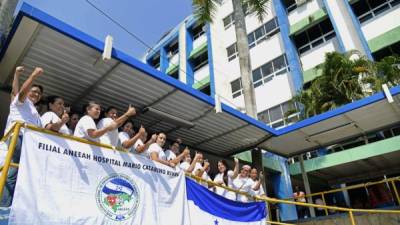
(7, 8)
(204, 10)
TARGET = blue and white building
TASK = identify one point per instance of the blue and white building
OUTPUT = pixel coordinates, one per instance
(285, 49)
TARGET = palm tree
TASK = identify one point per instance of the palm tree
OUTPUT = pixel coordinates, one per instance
(340, 83)
(7, 8)
(204, 10)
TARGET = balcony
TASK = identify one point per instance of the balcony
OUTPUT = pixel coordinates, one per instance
(201, 72)
(199, 40)
(316, 55)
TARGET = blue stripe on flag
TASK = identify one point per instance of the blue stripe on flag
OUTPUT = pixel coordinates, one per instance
(224, 208)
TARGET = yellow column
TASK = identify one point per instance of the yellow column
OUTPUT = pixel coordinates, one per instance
(323, 199)
(353, 222)
(395, 192)
(9, 155)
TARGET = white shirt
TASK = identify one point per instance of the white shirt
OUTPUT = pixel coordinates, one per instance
(123, 136)
(84, 124)
(223, 192)
(170, 155)
(156, 148)
(23, 111)
(244, 184)
(258, 192)
(50, 118)
(138, 143)
(184, 166)
(111, 137)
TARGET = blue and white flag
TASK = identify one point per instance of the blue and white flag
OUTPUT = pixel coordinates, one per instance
(208, 208)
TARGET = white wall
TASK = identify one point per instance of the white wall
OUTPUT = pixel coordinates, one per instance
(274, 92)
(381, 24)
(316, 55)
(202, 73)
(304, 11)
(182, 53)
(174, 60)
(346, 28)
(266, 51)
(199, 41)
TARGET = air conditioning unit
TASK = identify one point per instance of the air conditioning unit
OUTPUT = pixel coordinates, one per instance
(300, 2)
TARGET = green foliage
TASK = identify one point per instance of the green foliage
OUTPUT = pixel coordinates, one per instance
(345, 80)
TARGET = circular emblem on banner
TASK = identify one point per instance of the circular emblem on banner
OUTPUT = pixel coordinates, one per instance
(117, 197)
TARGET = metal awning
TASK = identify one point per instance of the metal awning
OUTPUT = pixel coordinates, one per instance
(75, 71)
(358, 118)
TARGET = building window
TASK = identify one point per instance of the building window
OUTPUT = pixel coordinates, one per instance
(368, 9)
(267, 30)
(314, 36)
(263, 74)
(236, 87)
(155, 61)
(269, 70)
(290, 5)
(232, 52)
(393, 49)
(173, 48)
(277, 116)
(198, 31)
(228, 21)
(200, 61)
(206, 90)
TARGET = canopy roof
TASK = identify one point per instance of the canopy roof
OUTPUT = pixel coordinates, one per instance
(75, 71)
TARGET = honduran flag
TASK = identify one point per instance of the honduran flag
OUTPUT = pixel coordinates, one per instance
(208, 208)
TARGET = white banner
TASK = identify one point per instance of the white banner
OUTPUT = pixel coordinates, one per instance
(62, 181)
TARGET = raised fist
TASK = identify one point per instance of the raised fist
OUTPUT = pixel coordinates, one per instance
(19, 70)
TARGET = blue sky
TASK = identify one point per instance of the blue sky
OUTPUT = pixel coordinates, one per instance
(149, 19)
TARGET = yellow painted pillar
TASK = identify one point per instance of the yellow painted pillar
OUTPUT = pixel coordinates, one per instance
(9, 155)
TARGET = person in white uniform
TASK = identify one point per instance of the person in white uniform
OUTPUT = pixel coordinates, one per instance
(225, 177)
(73, 121)
(258, 189)
(128, 138)
(56, 118)
(23, 109)
(111, 116)
(156, 150)
(86, 127)
(243, 183)
(172, 154)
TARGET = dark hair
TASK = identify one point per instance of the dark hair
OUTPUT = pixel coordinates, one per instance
(109, 109)
(38, 86)
(51, 99)
(225, 176)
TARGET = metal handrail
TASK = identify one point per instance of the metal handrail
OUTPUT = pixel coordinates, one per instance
(267, 200)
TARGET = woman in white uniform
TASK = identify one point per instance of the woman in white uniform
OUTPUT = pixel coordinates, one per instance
(86, 127)
(56, 118)
(225, 177)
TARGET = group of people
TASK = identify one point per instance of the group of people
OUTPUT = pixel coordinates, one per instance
(105, 128)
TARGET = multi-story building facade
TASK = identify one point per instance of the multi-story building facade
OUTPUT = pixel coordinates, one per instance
(285, 49)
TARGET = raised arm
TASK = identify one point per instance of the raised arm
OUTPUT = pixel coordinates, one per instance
(56, 126)
(130, 142)
(181, 156)
(236, 170)
(28, 83)
(15, 84)
(257, 185)
(154, 157)
(93, 133)
(143, 148)
(193, 164)
(122, 119)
